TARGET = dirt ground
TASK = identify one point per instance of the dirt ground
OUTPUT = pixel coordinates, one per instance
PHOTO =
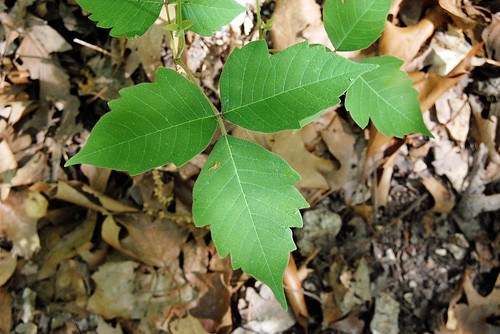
(402, 235)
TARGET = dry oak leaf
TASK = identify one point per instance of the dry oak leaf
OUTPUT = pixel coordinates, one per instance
(405, 42)
(8, 263)
(146, 50)
(153, 241)
(491, 37)
(444, 200)
(5, 310)
(297, 20)
(340, 143)
(471, 318)
(187, 325)
(19, 215)
(290, 145)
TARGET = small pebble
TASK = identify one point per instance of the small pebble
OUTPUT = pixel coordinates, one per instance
(440, 251)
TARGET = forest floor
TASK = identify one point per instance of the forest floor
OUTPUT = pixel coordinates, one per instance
(402, 235)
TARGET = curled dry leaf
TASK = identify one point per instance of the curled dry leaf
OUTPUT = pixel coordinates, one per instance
(340, 143)
(35, 170)
(152, 241)
(444, 200)
(451, 161)
(8, 264)
(290, 145)
(84, 196)
(487, 129)
(214, 300)
(472, 317)
(146, 50)
(98, 177)
(19, 215)
(491, 37)
(454, 8)
(431, 86)
(5, 311)
(295, 296)
(453, 111)
(384, 184)
(8, 165)
(297, 20)
(405, 43)
(187, 325)
(58, 248)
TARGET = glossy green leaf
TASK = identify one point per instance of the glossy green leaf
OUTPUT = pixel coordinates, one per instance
(247, 195)
(387, 97)
(284, 91)
(355, 24)
(150, 125)
(210, 15)
(130, 18)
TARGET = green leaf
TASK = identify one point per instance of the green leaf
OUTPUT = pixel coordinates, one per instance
(210, 15)
(131, 18)
(387, 97)
(273, 93)
(355, 24)
(150, 125)
(247, 194)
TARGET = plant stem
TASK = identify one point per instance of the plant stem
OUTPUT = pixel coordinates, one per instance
(178, 19)
(259, 19)
(192, 78)
(171, 33)
(178, 61)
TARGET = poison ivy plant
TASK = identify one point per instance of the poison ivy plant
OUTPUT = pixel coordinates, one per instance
(248, 196)
(273, 93)
(151, 125)
(244, 192)
(355, 24)
(386, 96)
(209, 15)
(131, 18)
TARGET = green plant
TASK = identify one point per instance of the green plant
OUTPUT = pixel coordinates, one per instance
(245, 192)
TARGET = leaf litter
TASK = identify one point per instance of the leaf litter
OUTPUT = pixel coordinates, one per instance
(403, 236)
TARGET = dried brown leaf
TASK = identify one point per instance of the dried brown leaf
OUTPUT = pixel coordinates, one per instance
(444, 200)
(5, 310)
(471, 318)
(491, 37)
(405, 42)
(58, 248)
(80, 194)
(340, 143)
(290, 146)
(295, 296)
(295, 21)
(151, 240)
(146, 51)
(8, 264)
(187, 325)
(19, 215)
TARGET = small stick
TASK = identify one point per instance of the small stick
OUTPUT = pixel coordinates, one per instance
(93, 47)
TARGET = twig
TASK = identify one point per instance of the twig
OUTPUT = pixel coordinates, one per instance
(93, 47)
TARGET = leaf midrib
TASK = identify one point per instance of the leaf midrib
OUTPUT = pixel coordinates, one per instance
(384, 100)
(145, 135)
(247, 205)
(355, 24)
(285, 92)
